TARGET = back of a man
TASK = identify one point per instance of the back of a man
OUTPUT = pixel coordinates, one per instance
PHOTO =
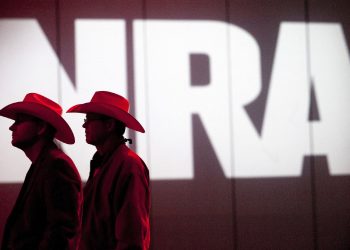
(117, 194)
(115, 184)
(47, 212)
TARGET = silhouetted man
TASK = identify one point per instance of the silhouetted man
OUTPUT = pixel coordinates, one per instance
(47, 213)
(116, 195)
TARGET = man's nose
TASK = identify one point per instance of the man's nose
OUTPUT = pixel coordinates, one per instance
(12, 127)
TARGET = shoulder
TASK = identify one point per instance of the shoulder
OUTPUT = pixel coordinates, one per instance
(129, 158)
(59, 163)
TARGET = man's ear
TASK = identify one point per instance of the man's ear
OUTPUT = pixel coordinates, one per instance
(42, 127)
(110, 125)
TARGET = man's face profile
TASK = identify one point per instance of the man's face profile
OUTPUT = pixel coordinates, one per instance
(95, 128)
(25, 131)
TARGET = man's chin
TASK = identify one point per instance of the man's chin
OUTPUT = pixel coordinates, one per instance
(18, 144)
(22, 144)
(88, 141)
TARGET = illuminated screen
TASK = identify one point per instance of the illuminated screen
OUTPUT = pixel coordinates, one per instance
(244, 103)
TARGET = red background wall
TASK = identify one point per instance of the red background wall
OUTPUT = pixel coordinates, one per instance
(211, 211)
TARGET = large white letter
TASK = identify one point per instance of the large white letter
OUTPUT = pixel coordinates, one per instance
(330, 69)
(286, 130)
(166, 98)
(28, 64)
(100, 52)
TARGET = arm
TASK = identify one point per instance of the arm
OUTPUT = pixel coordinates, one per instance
(63, 197)
(132, 221)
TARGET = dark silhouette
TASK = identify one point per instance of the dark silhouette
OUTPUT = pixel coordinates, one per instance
(47, 213)
(116, 195)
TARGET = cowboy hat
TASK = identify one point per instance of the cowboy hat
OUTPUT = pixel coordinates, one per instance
(109, 104)
(45, 109)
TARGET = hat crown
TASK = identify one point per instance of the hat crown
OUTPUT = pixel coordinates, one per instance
(111, 99)
(44, 101)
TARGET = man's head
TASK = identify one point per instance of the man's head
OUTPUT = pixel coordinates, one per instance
(106, 114)
(27, 130)
(37, 114)
(100, 127)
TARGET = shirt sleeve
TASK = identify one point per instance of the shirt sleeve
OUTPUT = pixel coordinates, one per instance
(132, 221)
(63, 197)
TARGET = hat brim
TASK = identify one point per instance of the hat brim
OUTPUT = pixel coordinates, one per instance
(63, 131)
(107, 110)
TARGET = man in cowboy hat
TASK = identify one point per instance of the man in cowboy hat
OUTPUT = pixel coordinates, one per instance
(116, 196)
(47, 212)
